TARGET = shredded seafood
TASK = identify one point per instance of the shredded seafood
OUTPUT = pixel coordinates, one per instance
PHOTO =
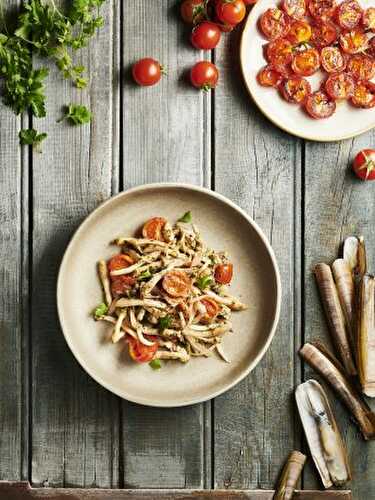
(166, 293)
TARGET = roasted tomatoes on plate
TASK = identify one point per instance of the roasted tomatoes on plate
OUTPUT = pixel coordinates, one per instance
(339, 86)
(319, 105)
(274, 23)
(295, 89)
(306, 62)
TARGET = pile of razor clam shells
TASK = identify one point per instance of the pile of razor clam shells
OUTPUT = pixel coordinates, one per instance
(347, 292)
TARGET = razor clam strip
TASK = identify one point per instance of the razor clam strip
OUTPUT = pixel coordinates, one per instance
(366, 335)
(290, 475)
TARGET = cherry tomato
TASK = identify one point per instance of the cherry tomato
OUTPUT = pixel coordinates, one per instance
(212, 309)
(230, 11)
(295, 8)
(224, 273)
(364, 165)
(274, 23)
(147, 72)
(121, 284)
(349, 14)
(306, 62)
(371, 47)
(353, 41)
(368, 19)
(204, 75)
(279, 53)
(324, 34)
(193, 11)
(364, 95)
(322, 10)
(340, 86)
(176, 283)
(119, 261)
(300, 32)
(269, 77)
(319, 105)
(332, 59)
(142, 353)
(361, 67)
(205, 36)
(295, 89)
(153, 229)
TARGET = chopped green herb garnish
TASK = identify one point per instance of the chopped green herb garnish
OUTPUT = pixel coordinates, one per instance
(145, 275)
(77, 114)
(164, 322)
(155, 364)
(187, 217)
(30, 137)
(101, 310)
(204, 281)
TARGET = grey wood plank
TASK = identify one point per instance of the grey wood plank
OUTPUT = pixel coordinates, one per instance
(13, 301)
(74, 420)
(166, 132)
(337, 205)
(258, 167)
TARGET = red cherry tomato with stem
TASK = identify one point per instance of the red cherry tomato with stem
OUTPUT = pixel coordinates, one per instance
(364, 165)
(204, 75)
(147, 71)
(230, 11)
(205, 36)
(193, 11)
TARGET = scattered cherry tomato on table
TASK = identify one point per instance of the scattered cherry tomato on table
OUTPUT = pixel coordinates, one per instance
(205, 36)
(364, 165)
(147, 71)
(204, 75)
(193, 11)
(230, 12)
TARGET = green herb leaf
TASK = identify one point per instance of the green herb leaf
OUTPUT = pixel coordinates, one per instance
(144, 276)
(155, 364)
(101, 310)
(187, 217)
(204, 281)
(29, 136)
(77, 114)
(164, 322)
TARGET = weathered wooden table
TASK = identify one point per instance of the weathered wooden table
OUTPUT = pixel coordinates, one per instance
(57, 426)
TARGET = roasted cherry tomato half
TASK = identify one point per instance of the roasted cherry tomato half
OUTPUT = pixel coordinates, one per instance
(319, 105)
(361, 67)
(205, 36)
(368, 19)
(324, 34)
(120, 285)
(153, 228)
(353, 41)
(340, 86)
(230, 11)
(274, 23)
(212, 309)
(279, 53)
(295, 8)
(193, 11)
(322, 10)
(332, 59)
(269, 77)
(142, 353)
(176, 283)
(348, 14)
(204, 75)
(364, 95)
(364, 165)
(147, 71)
(300, 32)
(306, 62)
(295, 89)
(223, 273)
(119, 261)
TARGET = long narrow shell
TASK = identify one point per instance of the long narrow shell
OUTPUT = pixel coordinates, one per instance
(346, 292)
(335, 316)
(354, 253)
(290, 475)
(322, 433)
(316, 355)
(366, 335)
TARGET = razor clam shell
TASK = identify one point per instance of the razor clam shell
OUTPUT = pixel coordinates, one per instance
(343, 275)
(366, 335)
(314, 438)
(290, 475)
(354, 253)
(334, 315)
(321, 360)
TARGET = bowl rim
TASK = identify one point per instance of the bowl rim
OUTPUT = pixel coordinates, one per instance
(183, 186)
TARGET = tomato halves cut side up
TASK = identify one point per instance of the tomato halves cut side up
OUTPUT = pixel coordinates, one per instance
(332, 59)
(306, 63)
(274, 24)
(279, 53)
(142, 353)
(322, 10)
(324, 34)
(349, 14)
(319, 105)
(177, 283)
(353, 41)
(361, 67)
(153, 228)
(340, 86)
(295, 8)
(368, 19)
(300, 32)
(295, 89)
(364, 95)
(269, 77)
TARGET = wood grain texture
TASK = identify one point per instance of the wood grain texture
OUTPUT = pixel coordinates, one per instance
(74, 420)
(165, 138)
(336, 206)
(258, 167)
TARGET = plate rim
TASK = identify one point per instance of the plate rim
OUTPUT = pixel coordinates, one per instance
(145, 188)
(249, 18)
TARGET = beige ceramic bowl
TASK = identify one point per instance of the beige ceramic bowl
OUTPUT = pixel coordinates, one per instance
(256, 282)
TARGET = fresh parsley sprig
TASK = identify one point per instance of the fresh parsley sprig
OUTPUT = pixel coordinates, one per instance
(77, 114)
(30, 137)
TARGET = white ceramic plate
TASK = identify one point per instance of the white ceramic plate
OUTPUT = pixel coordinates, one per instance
(346, 122)
(256, 282)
